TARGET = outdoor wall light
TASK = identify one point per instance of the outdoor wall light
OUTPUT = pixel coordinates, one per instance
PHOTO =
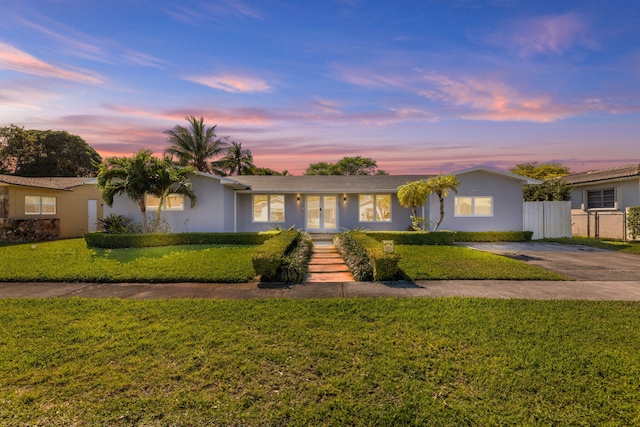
(298, 197)
(344, 198)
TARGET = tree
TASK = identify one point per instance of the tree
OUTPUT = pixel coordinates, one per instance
(195, 146)
(46, 153)
(550, 190)
(411, 195)
(357, 165)
(238, 161)
(540, 172)
(441, 185)
(140, 175)
(269, 171)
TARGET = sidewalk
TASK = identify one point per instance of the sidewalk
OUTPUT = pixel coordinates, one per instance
(543, 290)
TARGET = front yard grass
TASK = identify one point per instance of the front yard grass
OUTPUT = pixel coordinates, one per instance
(71, 261)
(356, 362)
(612, 245)
(457, 263)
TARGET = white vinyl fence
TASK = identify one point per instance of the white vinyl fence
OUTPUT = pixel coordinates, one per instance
(547, 219)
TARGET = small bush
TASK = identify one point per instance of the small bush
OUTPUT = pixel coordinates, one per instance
(493, 236)
(414, 237)
(633, 221)
(268, 258)
(295, 266)
(366, 255)
(119, 224)
(117, 241)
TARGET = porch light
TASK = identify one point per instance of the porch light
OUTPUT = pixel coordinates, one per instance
(344, 198)
(298, 198)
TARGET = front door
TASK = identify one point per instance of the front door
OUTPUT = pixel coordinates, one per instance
(322, 213)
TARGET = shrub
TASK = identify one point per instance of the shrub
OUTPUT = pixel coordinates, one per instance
(366, 255)
(633, 221)
(116, 241)
(119, 224)
(295, 266)
(414, 237)
(268, 258)
(493, 236)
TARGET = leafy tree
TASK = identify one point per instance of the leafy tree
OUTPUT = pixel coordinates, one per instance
(441, 185)
(140, 175)
(357, 165)
(541, 171)
(411, 195)
(238, 161)
(269, 171)
(196, 145)
(550, 190)
(46, 153)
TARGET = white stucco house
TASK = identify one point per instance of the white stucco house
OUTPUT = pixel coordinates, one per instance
(487, 200)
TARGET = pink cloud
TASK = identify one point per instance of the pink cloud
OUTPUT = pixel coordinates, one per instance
(17, 60)
(556, 34)
(231, 83)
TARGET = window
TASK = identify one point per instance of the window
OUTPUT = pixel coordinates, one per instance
(173, 202)
(268, 208)
(375, 208)
(473, 206)
(601, 199)
(39, 205)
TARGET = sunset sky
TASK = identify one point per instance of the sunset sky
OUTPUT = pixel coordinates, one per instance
(425, 86)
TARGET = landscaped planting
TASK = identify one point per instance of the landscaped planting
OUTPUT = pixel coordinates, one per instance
(114, 241)
(457, 263)
(414, 237)
(71, 261)
(356, 362)
(494, 236)
(269, 258)
(361, 251)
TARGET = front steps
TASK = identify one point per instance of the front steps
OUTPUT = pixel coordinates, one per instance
(326, 264)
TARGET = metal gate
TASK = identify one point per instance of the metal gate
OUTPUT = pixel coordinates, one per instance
(599, 225)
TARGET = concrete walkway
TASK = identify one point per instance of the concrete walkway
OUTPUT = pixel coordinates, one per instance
(540, 290)
(326, 265)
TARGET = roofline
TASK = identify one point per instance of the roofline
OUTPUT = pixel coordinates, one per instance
(499, 172)
(605, 181)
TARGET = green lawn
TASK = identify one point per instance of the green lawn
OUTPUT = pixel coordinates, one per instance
(71, 260)
(357, 362)
(453, 262)
(612, 245)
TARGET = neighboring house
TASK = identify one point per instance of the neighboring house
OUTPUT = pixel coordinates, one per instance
(487, 199)
(603, 196)
(33, 209)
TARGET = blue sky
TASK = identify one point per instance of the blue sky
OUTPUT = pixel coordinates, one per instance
(420, 86)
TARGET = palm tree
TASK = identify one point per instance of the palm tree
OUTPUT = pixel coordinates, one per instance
(441, 185)
(238, 161)
(140, 175)
(196, 145)
(411, 195)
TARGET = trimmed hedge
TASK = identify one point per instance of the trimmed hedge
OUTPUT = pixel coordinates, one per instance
(494, 236)
(269, 257)
(365, 257)
(117, 241)
(414, 237)
(295, 266)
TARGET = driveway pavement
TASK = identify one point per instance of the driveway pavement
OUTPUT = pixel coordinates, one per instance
(575, 261)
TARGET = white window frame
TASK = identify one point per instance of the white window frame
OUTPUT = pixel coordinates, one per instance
(165, 206)
(601, 191)
(40, 205)
(269, 197)
(473, 207)
(375, 207)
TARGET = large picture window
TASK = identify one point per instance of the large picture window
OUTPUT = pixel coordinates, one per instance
(39, 205)
(268, 208)
(375, 207)
(473, 206)
(601, 199)
(173, 202)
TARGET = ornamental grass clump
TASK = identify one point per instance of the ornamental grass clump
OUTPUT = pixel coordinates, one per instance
(295, 266)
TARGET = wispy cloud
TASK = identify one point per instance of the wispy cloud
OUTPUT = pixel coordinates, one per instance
(208, 10)
(17, 60)
(231, 83)
(547, 34)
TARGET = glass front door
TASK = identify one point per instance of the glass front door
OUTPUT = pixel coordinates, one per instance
(322, 212)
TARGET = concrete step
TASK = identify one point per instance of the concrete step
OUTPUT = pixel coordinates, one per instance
(329, 268)
(329, 277)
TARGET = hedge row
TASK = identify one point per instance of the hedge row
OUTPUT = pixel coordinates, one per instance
(268, 259)
(295, 266)
(414, 237)
(493, 236)
(365, 257)
(116, 241)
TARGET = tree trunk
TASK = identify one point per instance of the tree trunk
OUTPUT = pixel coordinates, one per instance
(441, 211)
(143, 211)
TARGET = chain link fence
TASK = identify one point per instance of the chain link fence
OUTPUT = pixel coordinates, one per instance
(599, 225)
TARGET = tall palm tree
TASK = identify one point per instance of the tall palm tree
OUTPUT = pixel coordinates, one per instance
(441, 185)
(238, 161)
(195, 146)
(140, 175)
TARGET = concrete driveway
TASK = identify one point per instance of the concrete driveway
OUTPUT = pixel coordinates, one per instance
(575, 261)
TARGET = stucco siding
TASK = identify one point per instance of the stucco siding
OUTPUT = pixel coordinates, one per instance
(507, 204)
(627, 193)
